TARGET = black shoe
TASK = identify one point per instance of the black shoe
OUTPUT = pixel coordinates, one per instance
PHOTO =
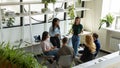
(50, 61)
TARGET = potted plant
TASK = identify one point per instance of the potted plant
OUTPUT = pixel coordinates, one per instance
(71, 14)
(46, 4)
(9, 21)
(108, 20)
(15, 58)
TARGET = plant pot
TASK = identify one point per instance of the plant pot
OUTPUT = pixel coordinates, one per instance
(46, 10)
(59, 10)
(107, 24)
(7, 64)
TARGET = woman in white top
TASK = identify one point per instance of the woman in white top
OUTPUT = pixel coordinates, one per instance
(55, 33)
(47, 47)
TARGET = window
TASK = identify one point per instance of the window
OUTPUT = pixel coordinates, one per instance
(113, 7)
(14, 9)
(117, 25)
(11, 8)
(32, 0)
(80, 13)
(17, 9)
(36, 8)
(59, 15)
(9, 0)
(50, 16)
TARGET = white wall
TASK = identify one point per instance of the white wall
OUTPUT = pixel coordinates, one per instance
(92, 18)
(97, 10)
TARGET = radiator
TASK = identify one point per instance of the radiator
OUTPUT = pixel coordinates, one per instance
(114, 42)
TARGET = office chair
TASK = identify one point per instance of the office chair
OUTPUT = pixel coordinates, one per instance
(65, 61)
(37, 52)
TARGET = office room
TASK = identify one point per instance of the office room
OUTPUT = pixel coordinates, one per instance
(59, 33)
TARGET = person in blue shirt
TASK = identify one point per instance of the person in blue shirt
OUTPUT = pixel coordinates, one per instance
(55, 33)
(97, 43)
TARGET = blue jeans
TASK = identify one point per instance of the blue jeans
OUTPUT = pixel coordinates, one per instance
(51, 53)
(75, 43)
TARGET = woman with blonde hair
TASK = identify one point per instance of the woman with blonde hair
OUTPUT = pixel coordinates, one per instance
(89, 50)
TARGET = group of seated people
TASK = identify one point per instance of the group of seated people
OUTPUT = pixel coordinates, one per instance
(49, 49)
(91, 47)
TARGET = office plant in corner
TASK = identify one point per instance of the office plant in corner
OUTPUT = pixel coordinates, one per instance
(108, 20)
(15, 58)
(46, 4)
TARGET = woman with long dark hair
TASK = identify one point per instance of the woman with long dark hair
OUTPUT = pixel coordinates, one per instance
(77, 29)
(55, 33)
(47, 47)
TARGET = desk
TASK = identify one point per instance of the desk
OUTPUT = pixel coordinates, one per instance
(108, 61)
(111, 63)
(33, 48)
(112, 55)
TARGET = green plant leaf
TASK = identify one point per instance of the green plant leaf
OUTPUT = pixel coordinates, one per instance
(48, 1)
(71, 12)
(17, 57)
(79, 2)
(100, 25)
(108, 19)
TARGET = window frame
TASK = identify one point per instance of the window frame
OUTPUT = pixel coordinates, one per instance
(45, 16)
(116, 23)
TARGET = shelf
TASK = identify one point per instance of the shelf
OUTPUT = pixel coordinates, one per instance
(39, 13)
(86, 0)
(32, 2)
(64, 10)
(18, 3)
(26, 14)
(25, 3)
(80, 9)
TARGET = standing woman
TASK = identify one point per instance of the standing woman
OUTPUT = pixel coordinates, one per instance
(77, 29)
(55, 33)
